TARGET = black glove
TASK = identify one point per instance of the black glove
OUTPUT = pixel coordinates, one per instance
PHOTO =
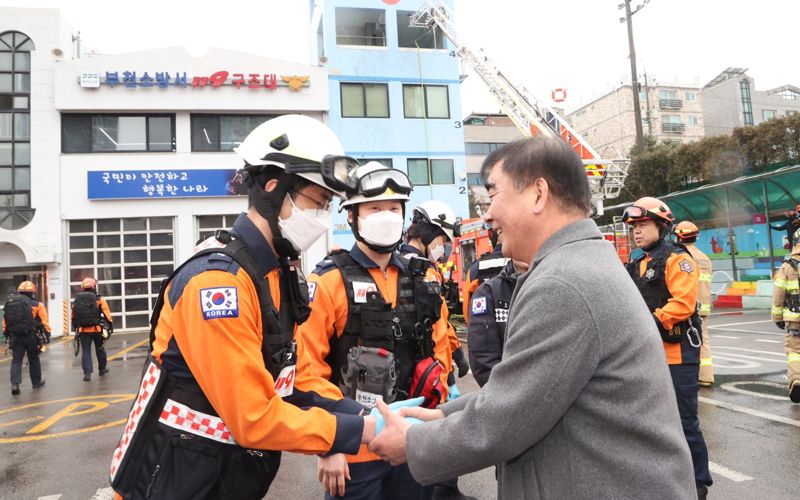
(461, 362)
(781, 325)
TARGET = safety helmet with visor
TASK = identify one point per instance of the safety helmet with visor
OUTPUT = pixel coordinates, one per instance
(648, 208)
(89, 283)
(686, 230)
(381, 232)
(26, 287)
(439, 214)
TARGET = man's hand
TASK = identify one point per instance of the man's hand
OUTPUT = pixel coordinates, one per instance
(332, 471)
(370, 426)
(781, 325)
(461, 362)
(422, 414)
(397, 405)
(391, 444)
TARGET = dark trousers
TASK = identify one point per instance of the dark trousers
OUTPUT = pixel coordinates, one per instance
(99, 348)
(22, 345)
(380, 481)
(684, 380)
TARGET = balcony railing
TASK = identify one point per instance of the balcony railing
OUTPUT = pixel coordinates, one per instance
(673, 128)
(670, 103)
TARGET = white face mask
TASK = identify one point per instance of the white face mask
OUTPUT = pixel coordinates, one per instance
(383, 228)
(436, 252)
(304, 226)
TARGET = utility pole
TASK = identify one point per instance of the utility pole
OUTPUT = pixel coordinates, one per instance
(647, 104)
(637, 112)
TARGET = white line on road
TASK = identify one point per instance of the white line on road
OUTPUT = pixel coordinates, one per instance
(734, 356)
(739, 364)
(733, 387)
(50, 497)
(750, 411)
(770, 341)
(724, 337)
(743, 331)
(771, 353)
(744, 323)
(725, 472)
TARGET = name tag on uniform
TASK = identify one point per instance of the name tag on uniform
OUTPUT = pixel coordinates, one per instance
(284, 385)
(219, 302)
(368, 399)
(360, 290)
(479, 306)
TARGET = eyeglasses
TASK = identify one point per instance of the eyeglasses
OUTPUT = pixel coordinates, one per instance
(321, 206)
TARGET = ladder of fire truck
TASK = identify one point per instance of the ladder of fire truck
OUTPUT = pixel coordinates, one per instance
(607, 177)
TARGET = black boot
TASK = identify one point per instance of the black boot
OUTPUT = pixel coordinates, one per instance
(14, 389)
(702, 491)
(794, 392)
(40, 384)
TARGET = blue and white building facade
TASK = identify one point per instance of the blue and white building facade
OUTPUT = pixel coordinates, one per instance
(394, 96)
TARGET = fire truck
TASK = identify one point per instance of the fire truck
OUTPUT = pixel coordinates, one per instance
(468, 246)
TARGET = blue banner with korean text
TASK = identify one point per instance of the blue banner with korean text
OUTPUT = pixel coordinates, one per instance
(127, 184)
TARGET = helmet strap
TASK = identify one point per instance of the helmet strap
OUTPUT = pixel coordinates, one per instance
(268, 205)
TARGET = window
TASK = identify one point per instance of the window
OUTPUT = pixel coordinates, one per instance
(425, 171)
(693, 120)
(386, 162)
(107, 133)
(474, 180)
(747, 108)
(768, 114)
(426, 101)
(15, 130)
(670, 118)
(667, 94)
(691, 96)
(223, 132)
(364, 27)
(128, 257)
(207, 225)
(789, 95)
(365, 100)
(421, 38)
(481, 148)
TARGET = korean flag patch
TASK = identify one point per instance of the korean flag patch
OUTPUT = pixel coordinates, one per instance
(312, 290)
(479, 306)
(219, 302)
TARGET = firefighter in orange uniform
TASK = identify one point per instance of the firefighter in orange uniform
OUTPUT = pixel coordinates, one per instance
(220, 395)
(90, 316)
(687, 233)
(375, 312)
(667, 277)
(26, 330)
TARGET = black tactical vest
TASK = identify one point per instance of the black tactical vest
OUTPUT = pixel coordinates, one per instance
(406, 330)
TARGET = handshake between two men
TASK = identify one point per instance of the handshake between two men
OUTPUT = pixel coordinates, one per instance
(388, 440)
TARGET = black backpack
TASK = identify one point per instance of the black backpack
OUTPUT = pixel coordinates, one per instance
(85, 310)
(19, 315)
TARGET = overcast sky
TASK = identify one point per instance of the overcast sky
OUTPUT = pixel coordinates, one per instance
(578, 45)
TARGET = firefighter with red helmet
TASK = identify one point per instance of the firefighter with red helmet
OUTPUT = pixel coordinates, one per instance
(377, 329)
(26, 330)
(91, 320)
(667, 277)
(687, 233)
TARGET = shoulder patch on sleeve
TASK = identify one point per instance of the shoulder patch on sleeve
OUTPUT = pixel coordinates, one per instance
(219, 302)
(312, 290)
(478, 306)
(686, 266)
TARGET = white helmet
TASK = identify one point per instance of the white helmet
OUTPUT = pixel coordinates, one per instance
(439, 214)
(378, 182)
(303, 146)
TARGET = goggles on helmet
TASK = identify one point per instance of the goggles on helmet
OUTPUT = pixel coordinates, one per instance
(338, 172)
(378, 181)
(634, 213)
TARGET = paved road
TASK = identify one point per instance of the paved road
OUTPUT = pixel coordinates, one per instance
(55, 442)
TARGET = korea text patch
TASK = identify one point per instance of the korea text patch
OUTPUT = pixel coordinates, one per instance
(479, 305)
(219, 302)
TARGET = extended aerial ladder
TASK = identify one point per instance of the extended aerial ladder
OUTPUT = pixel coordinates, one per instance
(606, 177)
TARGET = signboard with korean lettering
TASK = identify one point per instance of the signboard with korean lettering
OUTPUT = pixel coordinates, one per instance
(160, 184)
(163, 79)
(90, 79)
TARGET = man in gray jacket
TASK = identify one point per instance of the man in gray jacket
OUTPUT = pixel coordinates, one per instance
(581, 404)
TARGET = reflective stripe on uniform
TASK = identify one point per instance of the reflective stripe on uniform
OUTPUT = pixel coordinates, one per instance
(790, 316)
(706, 362)
(777, 310)
(490, 263)
(179, 416)
(793, 357)
(792, 286)
(780, 283)
(705, 277)
(705, 308)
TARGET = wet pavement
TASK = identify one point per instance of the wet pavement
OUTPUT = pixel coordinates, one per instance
(56, 442)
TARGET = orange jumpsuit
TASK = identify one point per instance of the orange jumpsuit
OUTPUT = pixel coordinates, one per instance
(329, 310)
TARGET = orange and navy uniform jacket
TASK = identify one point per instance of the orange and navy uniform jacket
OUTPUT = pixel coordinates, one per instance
(471, 283)
(39, 311)
(329, 309)
(433, 274)
(219, 346)
(102, 305)
(681, 275)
